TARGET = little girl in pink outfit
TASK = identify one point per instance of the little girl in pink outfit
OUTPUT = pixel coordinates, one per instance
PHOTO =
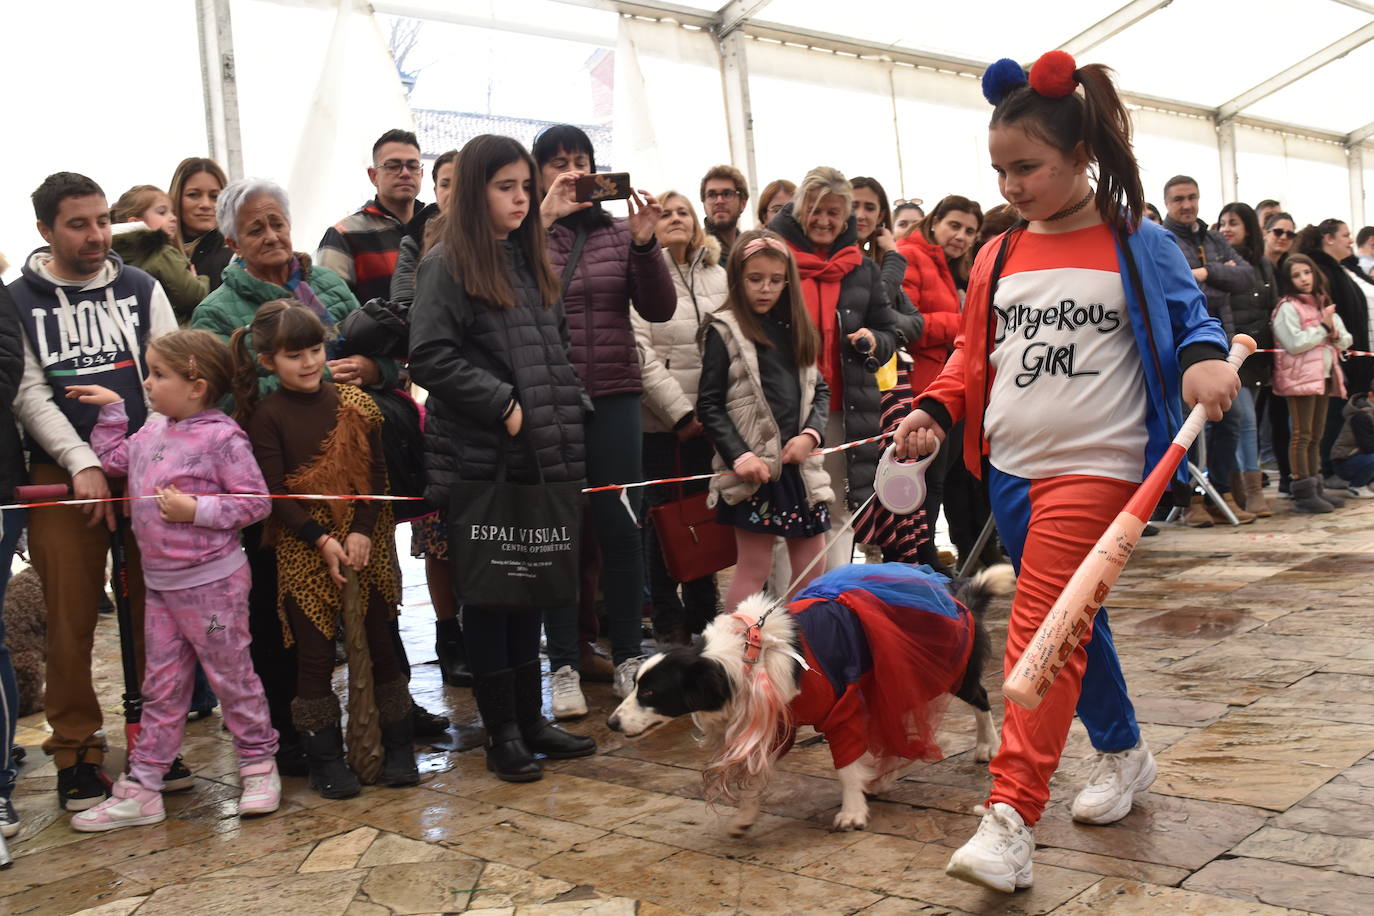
(195, 569)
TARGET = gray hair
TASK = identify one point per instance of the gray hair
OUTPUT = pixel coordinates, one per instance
(238, 193)
(821, 181)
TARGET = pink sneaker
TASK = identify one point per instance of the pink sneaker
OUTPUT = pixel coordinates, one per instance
(129, 805)
(261, 788)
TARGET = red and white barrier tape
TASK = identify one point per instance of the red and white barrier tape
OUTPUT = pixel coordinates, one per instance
(1344, 353)
(40, 504)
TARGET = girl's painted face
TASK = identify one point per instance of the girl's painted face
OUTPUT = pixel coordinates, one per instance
(508, 197)
(676, 225)
(160, 216)
(198, 203)
(826, 221)
(564, 161)
(443, 186)
(765, 277)
(1034, 177)
(1232, 229)
(956, 232)
(172, 394)
(868, 212)
(1279, 237)
(1301, 275)
(298, 370)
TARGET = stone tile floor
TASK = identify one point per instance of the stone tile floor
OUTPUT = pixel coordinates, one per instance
(1248, 650)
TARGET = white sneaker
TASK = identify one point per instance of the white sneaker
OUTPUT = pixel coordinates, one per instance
(568, 701)
(998, 856)
(625, 674)
(1115, 780)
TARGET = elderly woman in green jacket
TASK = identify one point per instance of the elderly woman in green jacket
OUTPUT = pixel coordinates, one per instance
(255, 220)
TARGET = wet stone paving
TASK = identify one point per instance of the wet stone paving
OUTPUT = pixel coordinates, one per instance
(1247, 649)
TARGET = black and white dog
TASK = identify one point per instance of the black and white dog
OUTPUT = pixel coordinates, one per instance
(836, 658)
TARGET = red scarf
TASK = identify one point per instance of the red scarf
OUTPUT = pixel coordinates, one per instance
(821, 279)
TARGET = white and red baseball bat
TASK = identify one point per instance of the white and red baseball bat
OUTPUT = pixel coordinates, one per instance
(1072, 615)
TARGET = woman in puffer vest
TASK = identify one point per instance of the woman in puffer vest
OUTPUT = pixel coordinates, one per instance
(674, 440)
(1307, 370)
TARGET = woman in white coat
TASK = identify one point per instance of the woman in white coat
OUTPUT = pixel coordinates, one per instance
(673, 441)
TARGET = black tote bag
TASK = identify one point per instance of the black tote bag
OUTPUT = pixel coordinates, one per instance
(515, 546)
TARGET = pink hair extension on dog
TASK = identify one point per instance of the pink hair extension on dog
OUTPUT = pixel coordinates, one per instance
(759, 719)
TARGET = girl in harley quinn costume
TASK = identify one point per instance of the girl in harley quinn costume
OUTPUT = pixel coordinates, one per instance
(1083, 331)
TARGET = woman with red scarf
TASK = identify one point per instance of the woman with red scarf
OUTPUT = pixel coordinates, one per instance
(845, 298)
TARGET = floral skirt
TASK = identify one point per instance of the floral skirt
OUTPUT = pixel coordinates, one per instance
(429, 537)
(778, 507)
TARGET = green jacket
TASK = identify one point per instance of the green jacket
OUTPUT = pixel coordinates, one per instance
(234, 304)
(151, 251)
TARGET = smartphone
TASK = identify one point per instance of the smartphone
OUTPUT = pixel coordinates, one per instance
(603, 186)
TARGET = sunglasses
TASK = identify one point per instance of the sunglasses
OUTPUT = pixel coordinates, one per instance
(1284, 233)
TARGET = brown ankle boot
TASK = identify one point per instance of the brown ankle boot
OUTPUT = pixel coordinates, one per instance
(1197, 515)
(1254, 494)
(1238, 489)
(1245, 518)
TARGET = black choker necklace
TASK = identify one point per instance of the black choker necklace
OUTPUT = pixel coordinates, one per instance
(1070, 210)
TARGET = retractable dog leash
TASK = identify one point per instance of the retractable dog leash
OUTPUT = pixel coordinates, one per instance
(900, 484)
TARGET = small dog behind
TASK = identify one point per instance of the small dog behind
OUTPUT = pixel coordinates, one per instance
(868, 654)
(26, 633)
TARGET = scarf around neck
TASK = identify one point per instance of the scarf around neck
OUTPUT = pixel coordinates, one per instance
(821, 279)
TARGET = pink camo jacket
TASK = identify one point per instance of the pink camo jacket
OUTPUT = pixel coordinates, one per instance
(204, 454)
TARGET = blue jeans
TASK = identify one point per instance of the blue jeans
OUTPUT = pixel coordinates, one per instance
(1247, 448)
(1358, 469)
(9, 690)
(1222, 439)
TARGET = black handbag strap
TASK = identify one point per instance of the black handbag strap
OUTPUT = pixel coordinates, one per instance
(573, 258)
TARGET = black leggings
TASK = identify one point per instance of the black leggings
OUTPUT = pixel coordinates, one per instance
(315, 652)
(499, 639)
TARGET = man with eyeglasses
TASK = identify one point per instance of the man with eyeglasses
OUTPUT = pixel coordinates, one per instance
(724, 193)
(362, 246)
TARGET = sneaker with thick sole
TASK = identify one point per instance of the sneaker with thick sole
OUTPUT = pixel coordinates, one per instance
(9, 818)
(261, 788)
(81, 785)
(998, 856)
(178, 777)
(129, 805)
(625, 674)
(1113, 784)
(568, 701)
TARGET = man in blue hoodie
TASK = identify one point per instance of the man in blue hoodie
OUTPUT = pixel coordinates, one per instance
(87, 318)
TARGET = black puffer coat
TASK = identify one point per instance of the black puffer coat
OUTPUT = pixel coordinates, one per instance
(1252, 313)
(472, 358)
(1353, 308)
(11, 371)
(863, 303)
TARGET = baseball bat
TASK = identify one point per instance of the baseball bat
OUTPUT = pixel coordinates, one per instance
(1072, 614)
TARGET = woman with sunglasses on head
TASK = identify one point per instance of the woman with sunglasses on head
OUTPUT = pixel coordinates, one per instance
(1279, 232)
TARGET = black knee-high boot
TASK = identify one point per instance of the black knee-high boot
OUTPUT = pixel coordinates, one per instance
(507, 754)
(542, 736)
(318, 723)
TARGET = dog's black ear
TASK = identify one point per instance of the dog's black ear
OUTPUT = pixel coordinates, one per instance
(705, 686)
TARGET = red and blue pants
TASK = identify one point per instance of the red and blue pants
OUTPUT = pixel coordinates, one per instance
(1048, 526)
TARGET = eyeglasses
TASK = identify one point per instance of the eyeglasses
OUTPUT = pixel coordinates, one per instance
(393, 166)
(774, 209)
(724, 194)
(1284, 233)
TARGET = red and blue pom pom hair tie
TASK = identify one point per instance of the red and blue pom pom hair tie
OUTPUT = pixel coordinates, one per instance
(1054, 76)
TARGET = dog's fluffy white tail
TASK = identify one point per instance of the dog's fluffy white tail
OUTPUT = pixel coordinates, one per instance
(995, 580)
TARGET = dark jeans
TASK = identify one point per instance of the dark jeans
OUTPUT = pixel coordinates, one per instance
(9, 689)
(946, 465)
(499, 639)
(1276, 409)
(1358, 469)
(613, 456)
(1222, 438)
(664, 456)
(274, 663)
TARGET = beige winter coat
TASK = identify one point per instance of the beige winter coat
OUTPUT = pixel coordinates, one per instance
(669, 358)
(748, 409)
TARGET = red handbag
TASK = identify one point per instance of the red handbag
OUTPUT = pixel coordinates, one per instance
(693, 543)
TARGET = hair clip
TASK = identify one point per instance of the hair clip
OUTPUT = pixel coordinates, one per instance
(1054, 75)
(191, 372)
(1000, 78)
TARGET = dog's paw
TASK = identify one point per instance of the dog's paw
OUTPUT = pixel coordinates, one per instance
(985, 751)
(851, 819)
(740, 828)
